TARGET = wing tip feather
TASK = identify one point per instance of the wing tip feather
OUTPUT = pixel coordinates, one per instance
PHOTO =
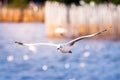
(20, 43)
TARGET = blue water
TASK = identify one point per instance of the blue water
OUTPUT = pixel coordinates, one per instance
(90, 60)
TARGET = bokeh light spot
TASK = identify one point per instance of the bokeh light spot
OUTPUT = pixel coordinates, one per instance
(82, 64)
(10, 58)
(32, 48)
(67, 65)
(86, 54)
(44, 67)
(25, 57)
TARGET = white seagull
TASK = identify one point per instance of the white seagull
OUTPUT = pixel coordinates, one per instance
(65, 47)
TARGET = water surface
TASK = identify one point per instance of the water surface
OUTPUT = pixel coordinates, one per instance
(91, 59)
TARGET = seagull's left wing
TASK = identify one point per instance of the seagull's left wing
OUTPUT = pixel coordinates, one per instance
(33, 44)
(70, 43)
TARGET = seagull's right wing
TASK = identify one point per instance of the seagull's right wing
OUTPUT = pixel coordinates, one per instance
(70, 43)
(34, 44)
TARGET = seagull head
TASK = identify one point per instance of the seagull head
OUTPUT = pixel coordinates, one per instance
(59, 47)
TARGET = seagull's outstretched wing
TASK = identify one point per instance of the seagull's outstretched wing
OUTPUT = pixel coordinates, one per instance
(33, 44)
(70, 43)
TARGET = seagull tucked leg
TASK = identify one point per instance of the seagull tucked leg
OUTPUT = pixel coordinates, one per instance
(70, 51)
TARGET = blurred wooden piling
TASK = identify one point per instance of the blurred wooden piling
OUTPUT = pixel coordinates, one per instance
(21, 15)
(0, 14)
(29, 15)
(55, 21)
(118, 20)
(85, 19)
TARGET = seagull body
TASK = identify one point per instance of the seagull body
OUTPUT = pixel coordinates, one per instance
(65, 47)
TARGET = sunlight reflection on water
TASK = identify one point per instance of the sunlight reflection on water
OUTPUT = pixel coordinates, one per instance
(10, 58)
(32, 48)
(86, 54)
(67, 65)
(25, 57)
(44, 67)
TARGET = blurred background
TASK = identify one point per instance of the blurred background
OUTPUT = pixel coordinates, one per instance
(59, 21)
